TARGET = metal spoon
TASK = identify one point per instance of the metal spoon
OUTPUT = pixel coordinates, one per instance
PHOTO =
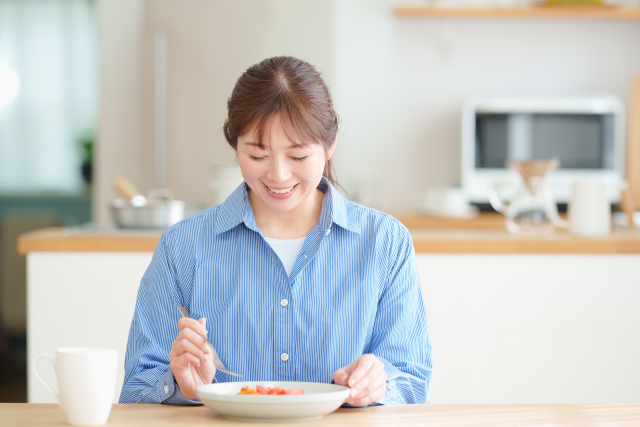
(216, 360)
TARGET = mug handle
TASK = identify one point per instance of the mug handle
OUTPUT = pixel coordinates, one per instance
(494, 198)
(44, 383)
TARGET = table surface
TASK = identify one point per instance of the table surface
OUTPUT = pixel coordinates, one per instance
(31, 414)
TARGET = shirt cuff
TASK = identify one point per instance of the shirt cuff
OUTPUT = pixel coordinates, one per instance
(169, 392)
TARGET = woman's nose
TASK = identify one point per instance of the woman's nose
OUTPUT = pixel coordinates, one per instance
(278, 171)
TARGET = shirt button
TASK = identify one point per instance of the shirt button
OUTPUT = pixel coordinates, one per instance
(166, 389)
(284, 302)
(284, 357)
(327, 232)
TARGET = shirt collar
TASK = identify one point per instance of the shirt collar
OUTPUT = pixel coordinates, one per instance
(335, 209)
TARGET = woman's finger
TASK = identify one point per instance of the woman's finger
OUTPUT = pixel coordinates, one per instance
(341, 376)
(376, 381)
(363, 365)
(198, 327)
(371, 397)
(185, 346)
(192, 336)
(181, 363)
(372, 380)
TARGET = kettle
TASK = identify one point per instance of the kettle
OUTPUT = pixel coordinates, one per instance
(532, 209)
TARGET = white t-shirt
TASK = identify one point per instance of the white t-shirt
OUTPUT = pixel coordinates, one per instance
(287, 250)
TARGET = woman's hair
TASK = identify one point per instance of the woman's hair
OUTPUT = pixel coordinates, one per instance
(289, 90)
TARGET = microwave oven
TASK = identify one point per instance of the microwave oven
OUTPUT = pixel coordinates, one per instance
(584, 132)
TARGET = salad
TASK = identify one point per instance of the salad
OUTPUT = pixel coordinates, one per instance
(265, 390)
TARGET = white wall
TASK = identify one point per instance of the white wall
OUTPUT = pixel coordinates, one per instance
(398, 83)
(119, 147)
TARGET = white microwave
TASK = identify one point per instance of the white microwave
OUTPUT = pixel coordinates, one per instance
(584, 132)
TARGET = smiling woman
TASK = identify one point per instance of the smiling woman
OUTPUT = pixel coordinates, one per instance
(291, 281)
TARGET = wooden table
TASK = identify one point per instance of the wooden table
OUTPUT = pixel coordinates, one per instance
(25, 414)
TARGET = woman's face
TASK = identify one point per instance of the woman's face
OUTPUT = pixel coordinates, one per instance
(281, 174)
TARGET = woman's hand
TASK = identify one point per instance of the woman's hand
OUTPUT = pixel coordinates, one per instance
(190, 357)
(366, 377)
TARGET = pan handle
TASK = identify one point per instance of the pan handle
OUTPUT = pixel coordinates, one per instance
(126, 188)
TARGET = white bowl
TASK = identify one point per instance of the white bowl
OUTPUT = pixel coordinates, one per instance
(319, 399)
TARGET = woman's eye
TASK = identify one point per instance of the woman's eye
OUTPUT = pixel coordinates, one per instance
(299, 159)
(257, 159)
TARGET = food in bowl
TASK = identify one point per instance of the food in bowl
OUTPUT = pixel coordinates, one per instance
(273, 391)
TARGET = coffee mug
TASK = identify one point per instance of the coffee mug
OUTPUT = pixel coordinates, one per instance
(86, 380)
(589, 208)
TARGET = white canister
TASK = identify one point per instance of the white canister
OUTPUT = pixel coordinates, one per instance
(224, 181)
(589, 208)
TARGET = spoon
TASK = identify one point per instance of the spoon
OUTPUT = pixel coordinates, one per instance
(216, 360)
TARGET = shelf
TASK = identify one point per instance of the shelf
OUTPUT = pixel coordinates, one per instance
(563, 12)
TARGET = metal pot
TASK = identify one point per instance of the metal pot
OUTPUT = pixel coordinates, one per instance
(156, 212)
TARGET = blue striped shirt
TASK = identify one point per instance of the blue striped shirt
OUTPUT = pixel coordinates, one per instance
(354, 289)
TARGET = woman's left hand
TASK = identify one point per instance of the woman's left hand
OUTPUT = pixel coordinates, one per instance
(366, 378)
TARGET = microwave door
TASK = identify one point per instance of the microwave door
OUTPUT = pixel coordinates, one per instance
(579, 141)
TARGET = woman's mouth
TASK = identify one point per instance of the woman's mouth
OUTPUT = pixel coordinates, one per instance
(281, 193)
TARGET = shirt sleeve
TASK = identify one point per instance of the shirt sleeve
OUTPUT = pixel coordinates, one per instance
(148, 377)
(400, 338)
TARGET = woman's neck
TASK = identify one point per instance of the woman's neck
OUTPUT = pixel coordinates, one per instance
(292, 224)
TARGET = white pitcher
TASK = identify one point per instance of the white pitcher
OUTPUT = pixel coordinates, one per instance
(533, 208)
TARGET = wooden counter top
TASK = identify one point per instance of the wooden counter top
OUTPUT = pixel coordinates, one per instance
(60, 239)
(32, 414)
(484, 234)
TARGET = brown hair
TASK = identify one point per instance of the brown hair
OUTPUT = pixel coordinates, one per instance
(289, 89)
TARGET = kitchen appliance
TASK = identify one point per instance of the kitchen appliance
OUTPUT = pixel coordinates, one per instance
(532, 209)
(584, 132)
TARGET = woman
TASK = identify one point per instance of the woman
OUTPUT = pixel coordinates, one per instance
(289, 280)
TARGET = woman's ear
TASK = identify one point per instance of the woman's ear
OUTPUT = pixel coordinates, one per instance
(333, 146)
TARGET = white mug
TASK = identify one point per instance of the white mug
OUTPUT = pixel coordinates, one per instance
(86, 380)
(589, 209)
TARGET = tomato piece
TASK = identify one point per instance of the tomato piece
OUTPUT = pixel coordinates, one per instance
(247, 390)
(295, 391)
(262, 390)
(277, 390)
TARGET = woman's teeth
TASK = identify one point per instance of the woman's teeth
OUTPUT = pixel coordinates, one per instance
(283, 191)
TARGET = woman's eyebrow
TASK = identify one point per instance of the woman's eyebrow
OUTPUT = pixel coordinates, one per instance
(290, 147)
(296, 145)
(256, 144)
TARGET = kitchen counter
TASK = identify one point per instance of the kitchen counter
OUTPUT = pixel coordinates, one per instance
(22, 414)
(484, 234)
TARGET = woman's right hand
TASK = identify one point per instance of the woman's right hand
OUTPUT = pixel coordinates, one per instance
(190, 357)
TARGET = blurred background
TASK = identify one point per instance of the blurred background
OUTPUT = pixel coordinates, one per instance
(77, 101)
